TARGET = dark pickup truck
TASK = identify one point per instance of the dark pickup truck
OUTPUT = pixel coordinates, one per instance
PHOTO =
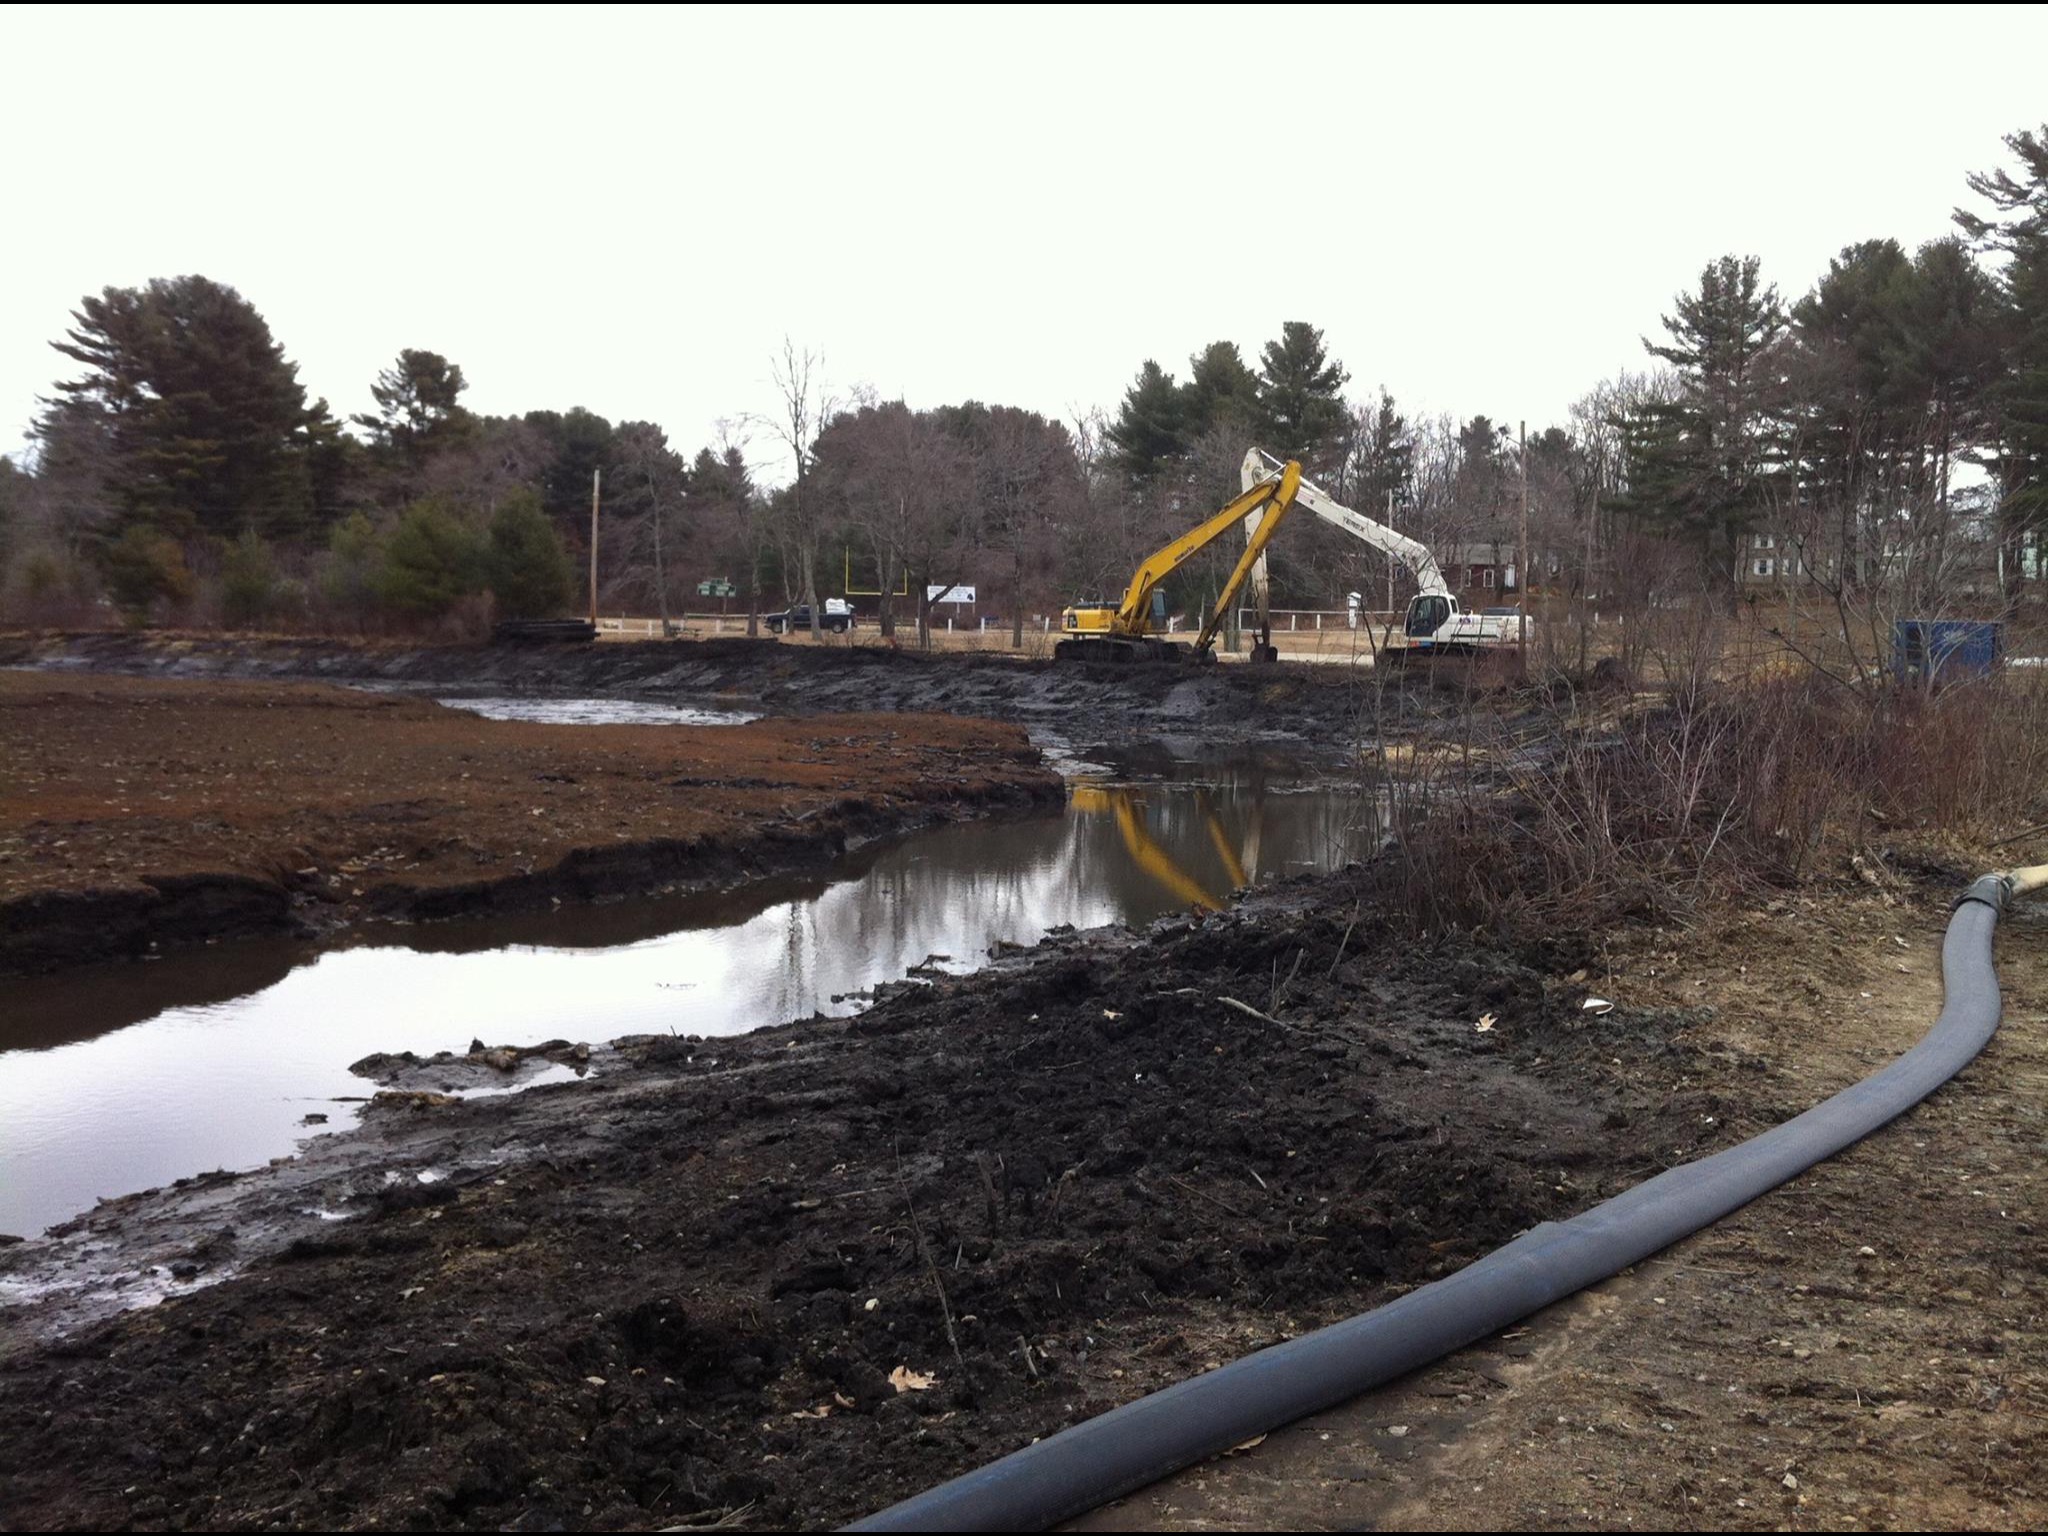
(799, 617)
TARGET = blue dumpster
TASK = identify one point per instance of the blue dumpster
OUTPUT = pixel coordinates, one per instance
(1945, 650)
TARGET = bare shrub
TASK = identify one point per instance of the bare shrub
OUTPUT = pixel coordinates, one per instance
(1720, 790)
(48, 585)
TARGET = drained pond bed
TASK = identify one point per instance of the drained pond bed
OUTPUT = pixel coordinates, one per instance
(807, 1271)
(114, 1078)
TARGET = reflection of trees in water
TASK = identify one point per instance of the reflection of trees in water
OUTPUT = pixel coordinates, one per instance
(795, 997)
(954, 893)
(960, 890)
(88, 1001)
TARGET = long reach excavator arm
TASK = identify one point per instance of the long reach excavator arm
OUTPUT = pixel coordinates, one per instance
(1095, 632)
(1436, 622)
(1261, 468)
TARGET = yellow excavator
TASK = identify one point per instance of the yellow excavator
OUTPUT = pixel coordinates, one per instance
(1125, 631)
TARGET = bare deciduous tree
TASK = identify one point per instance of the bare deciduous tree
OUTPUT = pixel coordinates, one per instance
(907, 486)
(806, 407)
(649, 503)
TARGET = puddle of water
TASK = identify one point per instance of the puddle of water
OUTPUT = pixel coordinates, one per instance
(569, 711)
(596, 711)
(123, 1077)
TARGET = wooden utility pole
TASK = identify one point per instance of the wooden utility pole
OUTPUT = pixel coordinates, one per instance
(1390, 558)
(1522, 576)
(596, 479)
(661, 575)
(1586, 575)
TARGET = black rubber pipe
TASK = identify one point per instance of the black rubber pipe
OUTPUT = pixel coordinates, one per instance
(1121, 1451)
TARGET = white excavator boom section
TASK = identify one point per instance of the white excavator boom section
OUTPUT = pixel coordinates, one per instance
(1412, 553)
(1458, 629)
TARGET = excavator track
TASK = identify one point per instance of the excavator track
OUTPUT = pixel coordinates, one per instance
(1122, 650)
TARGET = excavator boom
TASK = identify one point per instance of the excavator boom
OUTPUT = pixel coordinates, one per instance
(1125, 630)
(1261, 468)
(1436, 623)
(1162, 563)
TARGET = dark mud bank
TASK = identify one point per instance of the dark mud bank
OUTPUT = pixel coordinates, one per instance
(46, 931)
(1220, 703)
(806, 1272)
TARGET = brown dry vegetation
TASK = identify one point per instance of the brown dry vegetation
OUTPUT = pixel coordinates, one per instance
(333, 800)
(1708, 794)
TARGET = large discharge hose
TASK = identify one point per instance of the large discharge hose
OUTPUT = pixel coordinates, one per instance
(1121, 1451)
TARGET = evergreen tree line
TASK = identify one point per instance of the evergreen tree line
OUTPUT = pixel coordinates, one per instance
(184, 475)
(1888, 428)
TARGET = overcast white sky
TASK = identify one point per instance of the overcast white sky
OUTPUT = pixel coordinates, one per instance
(1485, 210)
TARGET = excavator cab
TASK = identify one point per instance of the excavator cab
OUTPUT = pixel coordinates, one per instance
(1087, 616)
(1428, 613)
(1090, 616)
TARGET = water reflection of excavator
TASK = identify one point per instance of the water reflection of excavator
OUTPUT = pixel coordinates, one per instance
(1121, 802)
(1122, 631)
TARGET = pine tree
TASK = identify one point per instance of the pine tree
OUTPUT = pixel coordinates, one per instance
(419, 409)
(1221, 391)
(430, 560)
(15, 487)
(1301, 396)
(1949, 341)
(581, 444)
(528, 568)
(720, 482)
(1702, 466)
(349, 576)
(1148, 434)
(208, 423)
(2019, 230)
(144, 567)
(1479, 486)
(248, 584)
(334, 466)
(1383, 457)
(1857, 428)
(719, 500)
(1895, 356)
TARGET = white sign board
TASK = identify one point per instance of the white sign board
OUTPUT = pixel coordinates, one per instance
(949, 594)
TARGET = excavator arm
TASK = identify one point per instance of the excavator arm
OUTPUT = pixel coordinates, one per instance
(1147, 854)
(1120, 635)
(1273, 495)
(1261, 468)
(1435, 621)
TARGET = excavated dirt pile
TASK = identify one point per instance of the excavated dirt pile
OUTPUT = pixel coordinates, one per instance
(806, 1272)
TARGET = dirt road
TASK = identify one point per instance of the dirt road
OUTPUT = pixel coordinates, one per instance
(148, 812)
(1864, 1348)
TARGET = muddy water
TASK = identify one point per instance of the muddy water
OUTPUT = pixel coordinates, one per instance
(125, 1077)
